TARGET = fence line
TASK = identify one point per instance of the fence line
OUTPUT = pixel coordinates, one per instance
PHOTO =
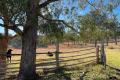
(37, 60)
(79, 57)
(59, 57)
(93, 61)
(3, 53)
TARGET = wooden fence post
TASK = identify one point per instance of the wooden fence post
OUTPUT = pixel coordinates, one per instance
(97, 54)
(103, 56)
(57, 59)
(57, 54)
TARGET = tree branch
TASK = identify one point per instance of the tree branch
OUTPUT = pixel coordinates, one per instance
(14, 27)
(46, 3)
(12, 37)
(91, 4)
(1, 18)
(59, 21)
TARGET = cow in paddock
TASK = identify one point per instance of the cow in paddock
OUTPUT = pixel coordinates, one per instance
(50, 54)
(9, 54)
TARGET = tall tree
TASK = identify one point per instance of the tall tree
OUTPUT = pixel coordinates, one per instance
(30, 10)
(29, 34)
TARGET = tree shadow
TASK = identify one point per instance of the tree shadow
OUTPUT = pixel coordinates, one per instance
(118, 70)
(58, 74)
(3, 67)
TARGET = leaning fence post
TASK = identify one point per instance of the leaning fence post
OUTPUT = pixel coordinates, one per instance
(97, 54)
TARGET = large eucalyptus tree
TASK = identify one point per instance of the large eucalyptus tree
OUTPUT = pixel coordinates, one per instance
(26, 12)
(31, 11)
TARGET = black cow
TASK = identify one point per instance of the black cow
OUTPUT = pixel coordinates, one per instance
(9, 54)
(50, 54)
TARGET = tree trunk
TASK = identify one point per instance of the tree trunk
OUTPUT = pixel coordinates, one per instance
(4, 40)
(103, 55)
(6, 32)
(95, 43)
(68, 43)
(6, 22)
(6, 37)
(107, 41)
(29, 39)
(115, 38)
(3, 48)
(106, 36)
(28, 58)
(74, 42)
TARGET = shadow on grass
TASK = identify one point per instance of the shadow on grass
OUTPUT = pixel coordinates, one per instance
(118, 70)
(3, 70)
(58, 74)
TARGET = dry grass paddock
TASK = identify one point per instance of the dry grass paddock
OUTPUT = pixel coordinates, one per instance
(71, 56)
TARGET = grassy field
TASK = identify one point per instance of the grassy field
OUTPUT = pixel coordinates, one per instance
(113, 55)
(112, 52)
(73, 58)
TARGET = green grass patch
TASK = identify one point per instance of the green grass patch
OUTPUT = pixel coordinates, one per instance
(91, 72)
(113, 57)
(98, 72)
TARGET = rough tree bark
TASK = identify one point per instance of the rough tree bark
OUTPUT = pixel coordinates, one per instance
(6, 31)
(29, 39)
(4, 40)
(5, 18)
